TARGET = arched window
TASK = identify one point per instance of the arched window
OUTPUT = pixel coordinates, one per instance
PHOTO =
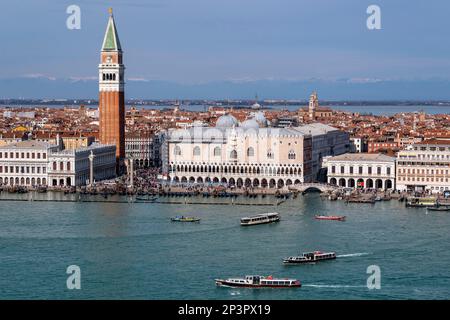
(61, 166)
(250, 152)
(54, 165)
(196, 151)
(68, 166)
(291, 155)
(233, 154)
(177, 151)
(269, 154)
(217, 151)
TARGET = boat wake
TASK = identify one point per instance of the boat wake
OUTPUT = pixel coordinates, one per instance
(358, 254)
(331, 286)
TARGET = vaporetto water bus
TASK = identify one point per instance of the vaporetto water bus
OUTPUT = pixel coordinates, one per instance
(259, 282)
(310, 257)
(260, 219)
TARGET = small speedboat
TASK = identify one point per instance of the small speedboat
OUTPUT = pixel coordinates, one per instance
(258, 282)
(185, 219)
(310, 257)
(337, 218)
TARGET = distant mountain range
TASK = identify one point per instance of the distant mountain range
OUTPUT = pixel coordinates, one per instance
(41, 87)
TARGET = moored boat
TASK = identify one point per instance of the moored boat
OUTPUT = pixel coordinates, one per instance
(259, 282)
(260, 219)
(439, 208)
(421, 202)
(309, 257)
(337, 218)
(185, 219)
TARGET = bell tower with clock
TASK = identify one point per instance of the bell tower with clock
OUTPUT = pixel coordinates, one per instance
(111, 92)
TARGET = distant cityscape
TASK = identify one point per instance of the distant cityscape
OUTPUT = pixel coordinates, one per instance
(236, 143)
(229, 102)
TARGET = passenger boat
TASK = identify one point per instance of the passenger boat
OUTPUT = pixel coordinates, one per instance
(310, 257)
(259, 282)
(185, 219)
(420, 202)
(338, 218)
(260, 219)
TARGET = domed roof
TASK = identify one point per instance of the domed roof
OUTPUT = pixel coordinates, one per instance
(261, 119)
(256, 105)
(226, 121)
(250, 124)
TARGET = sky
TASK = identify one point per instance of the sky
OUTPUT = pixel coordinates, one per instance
(207, 44)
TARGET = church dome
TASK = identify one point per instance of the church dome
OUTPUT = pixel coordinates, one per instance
(226, 121)
(261, 119)
(250, 124)
(256, 105)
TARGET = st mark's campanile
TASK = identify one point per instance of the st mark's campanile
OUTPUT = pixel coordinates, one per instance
(111, 92)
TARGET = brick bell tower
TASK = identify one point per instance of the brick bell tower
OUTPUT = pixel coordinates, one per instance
(111, 92)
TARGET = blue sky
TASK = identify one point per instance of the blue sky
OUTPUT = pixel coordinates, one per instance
(201, 41)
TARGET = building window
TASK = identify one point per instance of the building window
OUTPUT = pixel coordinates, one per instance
(269, 154)
(342, 169)
(233, 154)
(196, 151)
(177, 151)
(217, 151)
(54, 165)
(68, 166)
(44, 156)
(351, 170)
(369, 170)
(388, 170)
(378, 170)
(333, 169)
(250, 152)
(291, 155)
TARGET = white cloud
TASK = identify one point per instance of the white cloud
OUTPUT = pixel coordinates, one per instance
(87, 78)
(39, 76)
(138, 79)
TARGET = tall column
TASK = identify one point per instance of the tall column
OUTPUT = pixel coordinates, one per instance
(91, 168)
(131, 161)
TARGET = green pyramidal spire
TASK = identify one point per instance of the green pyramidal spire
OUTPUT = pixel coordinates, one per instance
(111, 41)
